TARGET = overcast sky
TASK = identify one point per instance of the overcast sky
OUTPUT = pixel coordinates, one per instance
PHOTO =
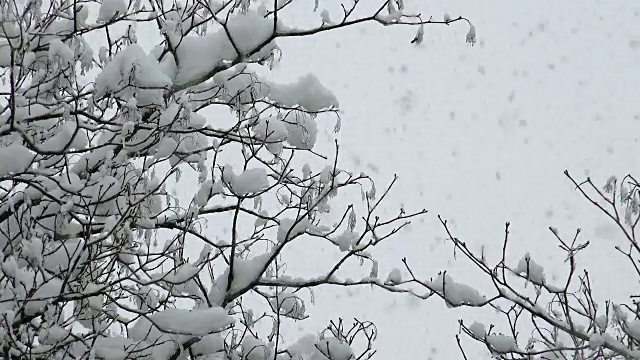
(481, 135)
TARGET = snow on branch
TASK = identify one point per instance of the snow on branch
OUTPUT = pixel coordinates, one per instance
(548, 320)
(137, 220)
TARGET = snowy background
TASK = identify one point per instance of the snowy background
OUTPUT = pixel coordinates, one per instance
(481, 135)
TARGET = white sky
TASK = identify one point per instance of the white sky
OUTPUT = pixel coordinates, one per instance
(482, 135)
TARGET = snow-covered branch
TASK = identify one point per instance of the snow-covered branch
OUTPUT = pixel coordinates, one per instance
(563, 319)
(139, 221)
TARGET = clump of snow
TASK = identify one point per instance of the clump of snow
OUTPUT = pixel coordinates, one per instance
(53, 334)
(106, 189)
(206, 191)
(132, 72)
(169, 115)
(241, 84)
(502, 344)
(69, 136)
(197, 121)
(26, 111)
(326, 175)
(326, 18)
(166, 148)
(182, 274)
(478, 330)
(288, 304)
(14, 159)
(596, 341)
(152, 346)
(633, 329)
(110, 9)
(333, 349)
(250, 181)
(303, 347)
(471, 35)
(247, 31)
(194, 322)
(5, 53)
(456, 294)
(270, 130)
(531, 270)
(61, 51)
(262, 219)
(245, 272)
(95, 301)
(32, 250)
(28, 59)
(208, 345)
(114, 348)
(10, 267)
(307, 92)
(346, 239)
(254, 349)
(395, 277)
(44, 294)
(289, 228)
(419, 36)
(392, 16)
(302, 130)
(248, 270)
